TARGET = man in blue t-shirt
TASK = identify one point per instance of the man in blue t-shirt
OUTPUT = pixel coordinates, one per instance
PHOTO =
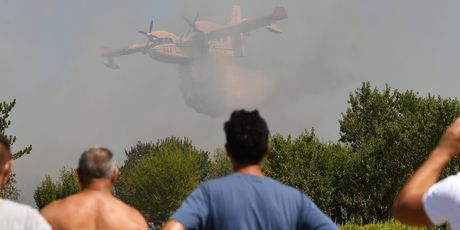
(247, 199)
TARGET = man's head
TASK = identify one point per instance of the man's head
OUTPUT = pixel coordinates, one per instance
(5, 160)
(97, 163)
(247, 137)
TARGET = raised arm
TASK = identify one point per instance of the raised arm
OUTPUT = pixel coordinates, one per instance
(408, 205)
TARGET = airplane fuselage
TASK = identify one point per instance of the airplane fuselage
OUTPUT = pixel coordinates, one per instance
(169, 53)
(204, 38)
(170, 48)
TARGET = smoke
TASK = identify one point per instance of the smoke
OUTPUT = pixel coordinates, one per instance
(215, 86)
(68, 100)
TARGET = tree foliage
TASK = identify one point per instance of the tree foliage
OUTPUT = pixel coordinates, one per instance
(220, 165)
(156, 178)
(313, 167)
(5, 110)
(46, 192)
(384, 136)
(49, 190)
(10, 191)
(393, 132)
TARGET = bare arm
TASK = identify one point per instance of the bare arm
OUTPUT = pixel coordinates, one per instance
(173, 225)
(408, 207)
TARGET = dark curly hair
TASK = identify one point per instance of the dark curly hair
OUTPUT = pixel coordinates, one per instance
(247, 136)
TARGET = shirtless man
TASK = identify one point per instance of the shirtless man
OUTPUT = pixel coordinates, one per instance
(94, 208)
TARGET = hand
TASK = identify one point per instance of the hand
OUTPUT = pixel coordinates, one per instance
(408, 205)
(450, 140)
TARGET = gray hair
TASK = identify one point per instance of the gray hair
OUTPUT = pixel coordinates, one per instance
(97, 162)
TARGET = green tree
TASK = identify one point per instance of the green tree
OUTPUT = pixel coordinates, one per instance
(10, 191)
(385, 136)
(220, 164)
(68, 183)
(393, 133)
(311, 166)
(46, 192)
(49, 190)
(156, 178)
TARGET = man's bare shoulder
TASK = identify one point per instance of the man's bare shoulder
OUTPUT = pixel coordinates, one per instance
(101, 206)
(58, 206)
(130, 211)
(53, 212)
(50, 208)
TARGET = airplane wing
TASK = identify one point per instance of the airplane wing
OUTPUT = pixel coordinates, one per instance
(248, 25)
(111, 54)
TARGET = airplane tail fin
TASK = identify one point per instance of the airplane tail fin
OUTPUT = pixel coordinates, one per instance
(236, 15)
(279, 14)
(238, 42)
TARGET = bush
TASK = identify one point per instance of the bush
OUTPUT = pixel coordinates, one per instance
(49, 190)
(385, 136)
(220, 165)
(156, 178)
(320, 170)
(392, 132)
(392, 225)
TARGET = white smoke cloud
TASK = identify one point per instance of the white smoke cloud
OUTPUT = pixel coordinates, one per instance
(215, 86)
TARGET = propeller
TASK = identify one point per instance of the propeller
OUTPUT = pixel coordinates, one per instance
(151, 26)
(148, 34)
(192, 24)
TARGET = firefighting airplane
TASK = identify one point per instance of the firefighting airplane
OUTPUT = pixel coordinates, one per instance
(202, 38)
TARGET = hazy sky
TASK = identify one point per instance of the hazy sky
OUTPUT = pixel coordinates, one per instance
(68, 100)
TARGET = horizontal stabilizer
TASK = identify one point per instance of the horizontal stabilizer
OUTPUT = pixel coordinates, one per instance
(112, 65)
(274, 28)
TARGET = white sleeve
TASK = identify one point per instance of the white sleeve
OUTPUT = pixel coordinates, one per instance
(441, 201)
(35, 221)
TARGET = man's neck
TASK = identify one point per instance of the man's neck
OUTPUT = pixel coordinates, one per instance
(99, 185)
(254, 170)
(1, 184)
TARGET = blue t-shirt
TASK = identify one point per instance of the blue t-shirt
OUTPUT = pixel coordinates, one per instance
(241, 201)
